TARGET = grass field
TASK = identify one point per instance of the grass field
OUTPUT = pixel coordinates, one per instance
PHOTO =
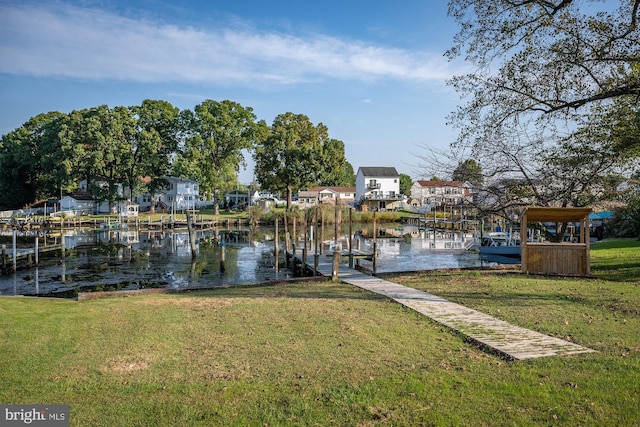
(323, 353)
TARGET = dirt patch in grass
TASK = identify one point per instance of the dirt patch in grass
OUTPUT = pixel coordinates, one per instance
(196, 303)
(127, 365)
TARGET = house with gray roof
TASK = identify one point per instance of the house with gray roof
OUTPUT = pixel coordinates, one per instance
(378, 188)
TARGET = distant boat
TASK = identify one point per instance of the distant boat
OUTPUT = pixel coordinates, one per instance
(500, 243)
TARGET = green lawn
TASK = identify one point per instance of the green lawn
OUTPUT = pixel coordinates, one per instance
(323, 353)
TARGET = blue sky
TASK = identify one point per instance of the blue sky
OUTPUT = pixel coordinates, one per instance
(372, 71)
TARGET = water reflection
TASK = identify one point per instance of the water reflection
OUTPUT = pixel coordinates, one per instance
(128, 259)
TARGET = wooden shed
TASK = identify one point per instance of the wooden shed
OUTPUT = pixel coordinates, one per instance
(561, 258)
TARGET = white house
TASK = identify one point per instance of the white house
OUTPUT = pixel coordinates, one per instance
(127, 209)
(180, 194)
(318, 195)
(103, 206)
(79, 204)
(439, 193)
(237, 198)
(378, 188)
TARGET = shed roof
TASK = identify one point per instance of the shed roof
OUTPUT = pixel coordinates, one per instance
(540, 214)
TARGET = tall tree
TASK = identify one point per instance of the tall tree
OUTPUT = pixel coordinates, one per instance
(97, 147)
(293, 156)
(553, 56)
(28, 156)
(336, 170)
(153, 146)
(216, 134)
(543, 70)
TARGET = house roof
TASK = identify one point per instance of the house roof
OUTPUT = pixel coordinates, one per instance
(379, 171)
(423, 183)
(81, 196)
(180, 179)
(334, 189)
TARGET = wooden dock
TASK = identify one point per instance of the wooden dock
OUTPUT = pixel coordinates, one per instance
(29, 254)
(510, 341)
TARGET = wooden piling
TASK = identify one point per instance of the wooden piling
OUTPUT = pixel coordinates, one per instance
(375, 245)
(276, 245)
(304, 248)
(322, 232)
(336, 265)
(192, 238)
(15, 250)
(222, 257)
(350, 238)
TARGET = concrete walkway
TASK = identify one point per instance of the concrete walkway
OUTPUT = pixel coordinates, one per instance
(502, 337)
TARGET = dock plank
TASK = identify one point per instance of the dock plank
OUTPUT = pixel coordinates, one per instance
(502, 337)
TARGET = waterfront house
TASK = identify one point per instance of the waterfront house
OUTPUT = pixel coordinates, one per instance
(433, 194)
(378, 188)
(237, 199)
(178, 194)
(79, 204)
(332, 195)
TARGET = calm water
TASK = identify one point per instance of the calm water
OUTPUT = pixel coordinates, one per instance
(121, 260)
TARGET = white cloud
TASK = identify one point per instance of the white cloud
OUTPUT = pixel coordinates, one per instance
(71, 42)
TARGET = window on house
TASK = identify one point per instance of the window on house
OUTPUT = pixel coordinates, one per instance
(186, 186)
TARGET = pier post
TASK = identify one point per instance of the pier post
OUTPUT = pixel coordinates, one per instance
(192, 237)
(15, 251)
(322, 231)
(350, 238)
(37, 249)
(223, 257)
(375, 245)
(336, 265)
(304, 248)
(4, 257)
(375, 257)
(276, 245)
(293, 264)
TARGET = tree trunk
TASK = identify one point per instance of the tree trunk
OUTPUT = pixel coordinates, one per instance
(289, 193)
(216, 207)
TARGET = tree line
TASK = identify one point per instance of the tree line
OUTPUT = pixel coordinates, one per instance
(49, 154)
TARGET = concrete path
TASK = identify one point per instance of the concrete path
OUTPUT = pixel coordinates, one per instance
(502, 337)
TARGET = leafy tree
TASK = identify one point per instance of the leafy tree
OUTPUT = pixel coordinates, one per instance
(293, 155)
(97, 143)
(405, 184)
(215, 137)
(337, 171)
(552, 56)
(552, 95)
(468, 171)
(153, 146)
(26, 172)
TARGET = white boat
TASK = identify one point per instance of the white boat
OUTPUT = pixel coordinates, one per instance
(500, 243)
